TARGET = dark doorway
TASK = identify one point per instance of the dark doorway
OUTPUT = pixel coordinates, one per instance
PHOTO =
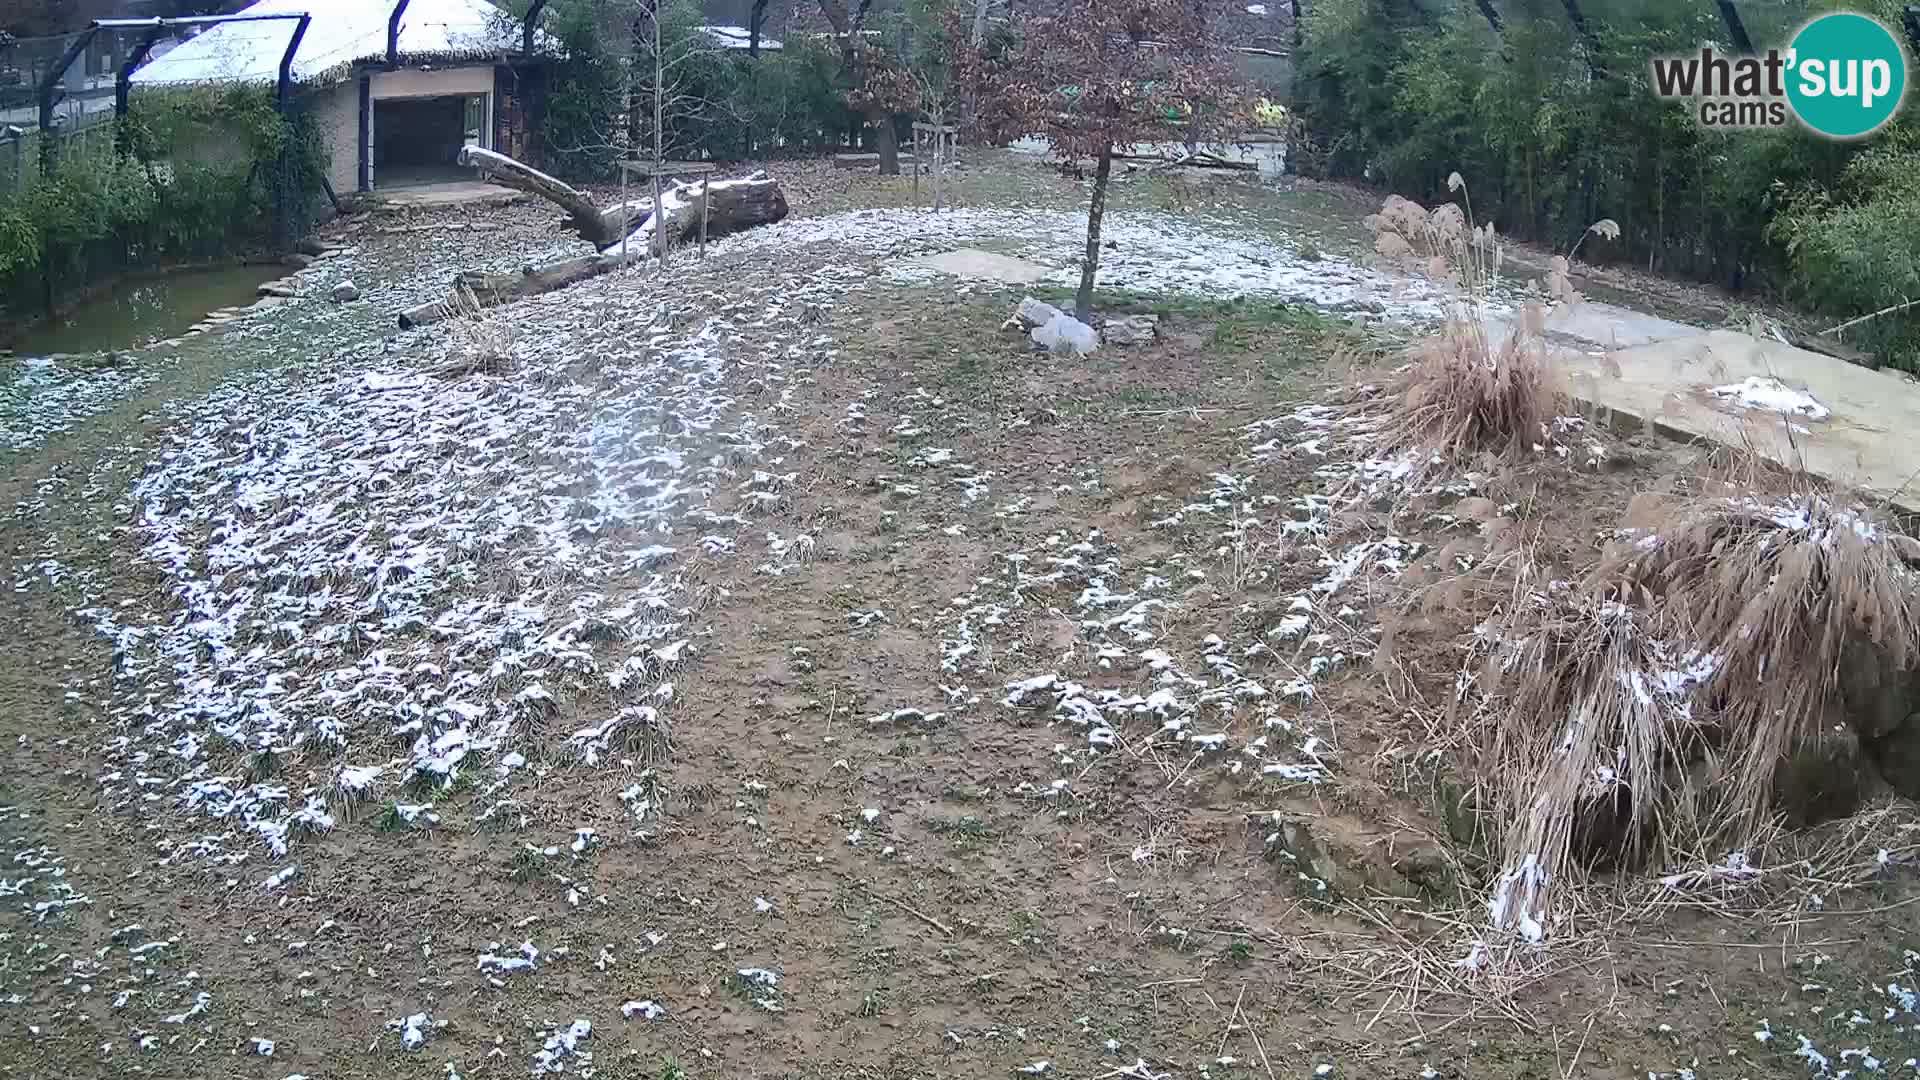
(416, 140)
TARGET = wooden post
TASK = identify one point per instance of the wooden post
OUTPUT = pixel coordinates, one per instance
(625, 221)
(939, 137)
(702, 169)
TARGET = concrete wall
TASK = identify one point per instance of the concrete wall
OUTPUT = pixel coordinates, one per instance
(337, 111)
(461, 80)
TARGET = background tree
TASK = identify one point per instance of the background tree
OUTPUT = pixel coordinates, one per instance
(877, 86)
(1096, 77)
(1544, 106)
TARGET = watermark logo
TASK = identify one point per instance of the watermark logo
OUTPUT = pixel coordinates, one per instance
(1844, 75)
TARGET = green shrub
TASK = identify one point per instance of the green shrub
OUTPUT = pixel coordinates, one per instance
(1557, 130)
(202, 176)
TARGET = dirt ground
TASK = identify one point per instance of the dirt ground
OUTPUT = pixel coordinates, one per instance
(881, 549)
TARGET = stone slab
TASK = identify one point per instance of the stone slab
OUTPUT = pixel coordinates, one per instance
(1867, 442)
(425, 196)
(974, 263)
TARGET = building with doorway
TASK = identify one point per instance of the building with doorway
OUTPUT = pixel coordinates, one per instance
(397, 87)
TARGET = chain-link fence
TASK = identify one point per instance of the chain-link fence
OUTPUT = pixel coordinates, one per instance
(20, 145)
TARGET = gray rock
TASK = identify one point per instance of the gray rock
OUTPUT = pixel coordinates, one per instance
(297, 260)
(1130, 329)
(1897, 756)
(1032, 313)
(279, 288)
(1906, 547)
(311, 245)
(1823, 780)
(346, 292)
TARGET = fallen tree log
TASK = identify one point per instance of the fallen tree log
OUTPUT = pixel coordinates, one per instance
(601, 227)
(735, 205)
(491, 290)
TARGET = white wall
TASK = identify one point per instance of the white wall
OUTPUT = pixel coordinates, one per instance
(336, 111)
(409, 83)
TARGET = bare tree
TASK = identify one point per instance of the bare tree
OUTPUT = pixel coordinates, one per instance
(1098, 76)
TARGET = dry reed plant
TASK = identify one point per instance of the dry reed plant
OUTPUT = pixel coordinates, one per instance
(1781, 590)
(1594, 719)
(478, 341)
(1648, 710)
(1470, 388)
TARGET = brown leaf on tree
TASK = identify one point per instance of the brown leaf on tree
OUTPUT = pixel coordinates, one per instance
(1096, 77)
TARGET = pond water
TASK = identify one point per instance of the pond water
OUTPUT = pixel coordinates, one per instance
(144, 310)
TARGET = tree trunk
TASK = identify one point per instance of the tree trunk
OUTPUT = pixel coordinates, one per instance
(600, 227)
(1736, 29)
(1578, 19)
(1083, 300)
(492, 290)
(980, 21)
(756, 19)
(1492, 16)
(886, 141)
(737, 204)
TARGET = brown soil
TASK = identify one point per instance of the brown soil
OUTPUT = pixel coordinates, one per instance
(978, 926)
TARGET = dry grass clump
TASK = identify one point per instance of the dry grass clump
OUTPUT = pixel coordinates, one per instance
(1464, 394)
(1650, 709)
(478, 341)
(1781, 589)
(1596, 720)
(1467, 390)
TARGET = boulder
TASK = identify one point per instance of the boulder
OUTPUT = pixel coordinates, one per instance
(346, 292)
(1906, 547)
(1877, 695)
(297, 260)
(1823, 780)
(279, 288)
(1897, 757)
(1030, 314)
(311, 245)
(1065, 334)
(1130, 329)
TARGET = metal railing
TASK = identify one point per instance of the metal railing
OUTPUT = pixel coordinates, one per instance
(79, 133)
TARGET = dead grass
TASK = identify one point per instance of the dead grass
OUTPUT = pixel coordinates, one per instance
(1780, 591)
(1470, 388)
(1646, 713)
(479, 342)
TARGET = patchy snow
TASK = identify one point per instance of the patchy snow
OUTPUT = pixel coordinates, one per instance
(1154, 252)
(341, 33)
(1768, 394)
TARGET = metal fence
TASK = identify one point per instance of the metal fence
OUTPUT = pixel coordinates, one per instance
(78, 133)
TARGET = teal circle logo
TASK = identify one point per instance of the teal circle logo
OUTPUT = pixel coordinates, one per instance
(1846, 75)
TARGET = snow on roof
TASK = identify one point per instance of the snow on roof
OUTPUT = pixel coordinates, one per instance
(737, 37)
(343, 33)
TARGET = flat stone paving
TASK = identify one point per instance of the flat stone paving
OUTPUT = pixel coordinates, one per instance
(974, 263)
(1637, 369)
(463, 193)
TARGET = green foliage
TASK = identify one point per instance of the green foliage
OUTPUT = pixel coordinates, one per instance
(200, 178)
(718, 103)
(1856, 248)
(1556, 131)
